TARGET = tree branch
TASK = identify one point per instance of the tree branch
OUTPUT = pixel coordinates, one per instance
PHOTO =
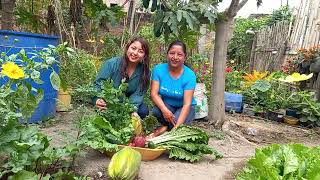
(124, 3)
(241, 4)
(232, 7)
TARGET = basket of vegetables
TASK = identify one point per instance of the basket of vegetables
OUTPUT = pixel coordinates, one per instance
(147, 154)
(139, 143)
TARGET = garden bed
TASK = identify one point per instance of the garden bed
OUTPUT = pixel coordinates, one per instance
(236, 152)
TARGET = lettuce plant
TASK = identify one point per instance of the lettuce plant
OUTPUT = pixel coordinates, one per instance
(282, 162)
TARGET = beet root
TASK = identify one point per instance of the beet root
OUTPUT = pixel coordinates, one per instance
(139, 141)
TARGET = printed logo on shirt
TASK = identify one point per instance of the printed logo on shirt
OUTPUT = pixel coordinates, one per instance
(174, 93)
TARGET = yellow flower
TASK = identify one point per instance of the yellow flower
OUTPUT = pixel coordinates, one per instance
(296, 77)
(255, 76)
(12, 70)
(91, 40)
(102, 41)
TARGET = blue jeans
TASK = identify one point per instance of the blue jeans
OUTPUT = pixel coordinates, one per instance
(176, 112)
(143, 110)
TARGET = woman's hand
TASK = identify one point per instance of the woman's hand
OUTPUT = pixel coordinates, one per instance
(168, 115)
(101, 104)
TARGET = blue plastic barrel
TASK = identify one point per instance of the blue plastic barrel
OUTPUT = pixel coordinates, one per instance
(12, 42)
(233, 102)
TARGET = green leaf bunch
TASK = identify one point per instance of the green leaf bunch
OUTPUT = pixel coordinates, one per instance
(24, 148)
(119, 109)
(185, 143)
(178, 16)
(283, 162)
(111, 126)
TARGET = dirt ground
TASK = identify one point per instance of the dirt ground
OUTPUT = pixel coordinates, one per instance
(236, 152)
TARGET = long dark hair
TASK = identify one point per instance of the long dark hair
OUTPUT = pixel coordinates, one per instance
(184, 48)
(145, 75)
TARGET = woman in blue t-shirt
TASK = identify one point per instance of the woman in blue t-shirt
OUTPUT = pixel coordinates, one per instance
(172, 89)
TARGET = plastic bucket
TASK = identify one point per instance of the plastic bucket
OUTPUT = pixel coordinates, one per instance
(233, 102)
(12, 42)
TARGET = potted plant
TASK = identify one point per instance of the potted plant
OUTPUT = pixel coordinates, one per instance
(77, 68)
(302, 104)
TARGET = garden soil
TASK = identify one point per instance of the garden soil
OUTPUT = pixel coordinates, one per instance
(236, 152)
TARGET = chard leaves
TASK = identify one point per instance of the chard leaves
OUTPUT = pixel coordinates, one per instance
(186, 143)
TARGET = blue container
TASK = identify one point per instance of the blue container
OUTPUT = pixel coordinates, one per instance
(233, 102)
(12, 42)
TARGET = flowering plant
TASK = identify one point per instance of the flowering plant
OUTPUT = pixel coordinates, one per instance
(234, 80)
(252, 78)
(296, 77)
(18, 98)
(202, 69)
(306, 61)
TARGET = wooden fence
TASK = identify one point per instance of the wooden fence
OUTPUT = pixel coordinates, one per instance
(274, 44)
(306, 29)
(306, 33)
(269, 47)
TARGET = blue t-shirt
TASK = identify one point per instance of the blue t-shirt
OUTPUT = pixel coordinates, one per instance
(172, 90)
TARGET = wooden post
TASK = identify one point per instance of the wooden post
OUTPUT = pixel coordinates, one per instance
(253, 53)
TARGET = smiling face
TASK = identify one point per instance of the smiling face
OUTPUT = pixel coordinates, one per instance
(176, 56)
(135, 52)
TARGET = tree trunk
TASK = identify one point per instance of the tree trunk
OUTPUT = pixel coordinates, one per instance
(131, 16)
(7, 14)
(51, 20)
(75, 14)
(202, 39)
(217, 106)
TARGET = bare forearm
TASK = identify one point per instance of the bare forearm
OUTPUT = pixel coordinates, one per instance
(183, 115)
(159, 102)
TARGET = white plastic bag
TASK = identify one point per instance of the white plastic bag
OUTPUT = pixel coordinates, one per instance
(202, 101)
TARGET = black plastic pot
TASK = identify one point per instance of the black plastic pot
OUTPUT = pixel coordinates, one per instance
(274, 116)
(291, 112)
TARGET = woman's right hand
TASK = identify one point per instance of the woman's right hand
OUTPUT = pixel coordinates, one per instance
(101, 104)
(168, 115)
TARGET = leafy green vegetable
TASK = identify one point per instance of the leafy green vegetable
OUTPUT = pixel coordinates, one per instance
(113, 125)
(185, 142)
(25, 148)
(281, 162)
(24, 175)
(149, 123)
(119, 109)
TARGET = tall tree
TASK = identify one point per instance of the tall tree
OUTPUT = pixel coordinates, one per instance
(224, 29)
(176, 15)
(7, 13)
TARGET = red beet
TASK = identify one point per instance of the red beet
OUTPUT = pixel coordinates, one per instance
(139, 141)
